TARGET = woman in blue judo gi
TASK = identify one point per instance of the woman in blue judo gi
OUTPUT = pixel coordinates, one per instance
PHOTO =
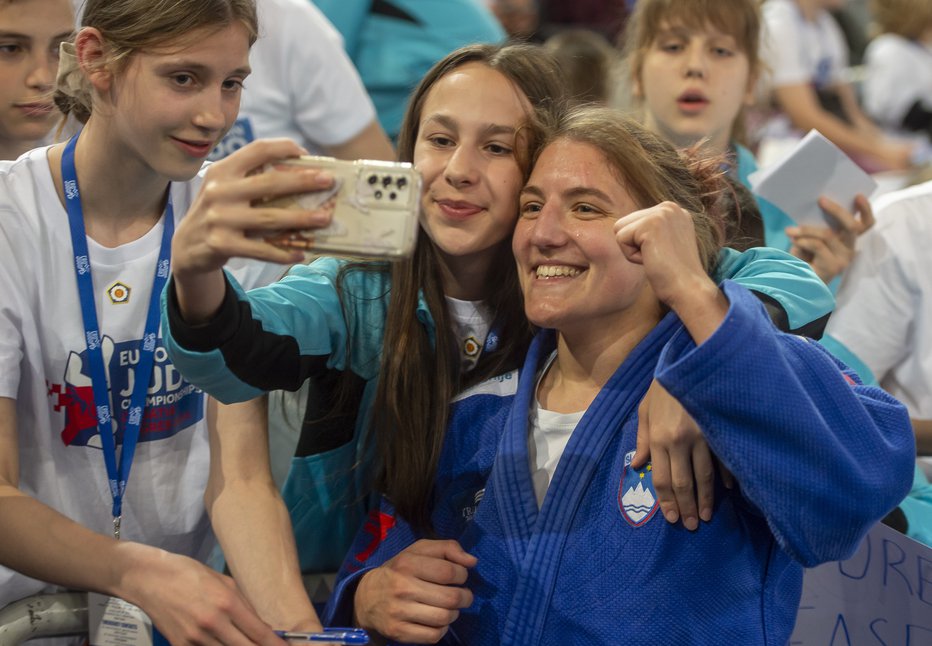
(551, 536)
(451, 315)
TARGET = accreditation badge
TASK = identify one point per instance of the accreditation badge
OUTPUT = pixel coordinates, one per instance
(114, 622)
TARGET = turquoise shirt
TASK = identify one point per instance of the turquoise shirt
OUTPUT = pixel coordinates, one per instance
(394, 43)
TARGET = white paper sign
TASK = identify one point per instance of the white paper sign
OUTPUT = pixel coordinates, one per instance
(114, 622)
(814, 168)
(882, 596)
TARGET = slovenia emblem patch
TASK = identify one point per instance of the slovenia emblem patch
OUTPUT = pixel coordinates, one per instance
(637, 499)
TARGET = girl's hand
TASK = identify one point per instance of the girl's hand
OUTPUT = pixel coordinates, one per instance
(829, 250)
(416, 595)
(662, 238)
(683, 467)
(228, 218)
(190, 603)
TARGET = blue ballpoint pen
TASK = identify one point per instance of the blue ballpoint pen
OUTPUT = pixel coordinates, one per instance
(330, 635)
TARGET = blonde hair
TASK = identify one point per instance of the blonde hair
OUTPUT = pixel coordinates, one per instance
(651, 169)
(906, 18)
(130, 26)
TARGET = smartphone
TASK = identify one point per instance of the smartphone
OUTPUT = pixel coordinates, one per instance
(376, 205)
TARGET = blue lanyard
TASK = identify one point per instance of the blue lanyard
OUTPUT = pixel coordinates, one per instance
(117, 476)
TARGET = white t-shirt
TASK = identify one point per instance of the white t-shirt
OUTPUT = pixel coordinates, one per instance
(899, 73)
(884, 310)
(798, 51)
(548, 434)
(303, 86)
(43, 366)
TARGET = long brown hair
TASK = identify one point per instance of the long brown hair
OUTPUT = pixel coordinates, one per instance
(130, 26)
(418, 375)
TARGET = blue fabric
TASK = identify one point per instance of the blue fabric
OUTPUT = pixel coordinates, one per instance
(819, 459)
(393, 53)
(327, 494)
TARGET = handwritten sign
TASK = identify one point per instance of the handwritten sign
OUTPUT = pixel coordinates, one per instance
(882, 596)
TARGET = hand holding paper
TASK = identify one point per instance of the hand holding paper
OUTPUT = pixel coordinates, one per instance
(815, 168)
(818, 186)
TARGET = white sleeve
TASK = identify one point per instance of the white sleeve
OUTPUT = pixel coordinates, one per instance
(875, 305)
(782, 46)
(889, 80)
(330, 102)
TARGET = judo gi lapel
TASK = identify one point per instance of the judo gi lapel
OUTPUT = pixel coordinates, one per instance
(511, 473)
(548, 531)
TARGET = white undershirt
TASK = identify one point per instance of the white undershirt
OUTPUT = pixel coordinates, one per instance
(471, 322)
(548, 433)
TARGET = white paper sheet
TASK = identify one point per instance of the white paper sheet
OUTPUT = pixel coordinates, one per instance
(815, 167)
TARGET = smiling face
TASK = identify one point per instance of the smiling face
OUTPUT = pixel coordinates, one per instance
(168, 107)
(30, 33)
(465, 149)
(573, 274)
(694, 83)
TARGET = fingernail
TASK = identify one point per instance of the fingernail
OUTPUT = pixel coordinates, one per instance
(671, 516)
(705, 514)
(691, 523)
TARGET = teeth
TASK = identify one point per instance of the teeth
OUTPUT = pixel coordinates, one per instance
(551, 271)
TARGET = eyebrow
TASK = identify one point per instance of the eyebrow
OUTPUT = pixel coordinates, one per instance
(490, 129)
(681, 31)
(18, 36)
(579, 191)
(198, 68)
(675, 32)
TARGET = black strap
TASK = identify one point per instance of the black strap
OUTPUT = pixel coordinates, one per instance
(387, 9)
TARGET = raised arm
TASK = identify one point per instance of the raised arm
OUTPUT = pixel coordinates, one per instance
(822, 457)
(223, 220)
(683, 468)
(802, 106)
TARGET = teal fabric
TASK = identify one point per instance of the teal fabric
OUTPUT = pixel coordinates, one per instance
(392, 54)
(918, 509)
(785, 278)
(841, 351)
(775, 220)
